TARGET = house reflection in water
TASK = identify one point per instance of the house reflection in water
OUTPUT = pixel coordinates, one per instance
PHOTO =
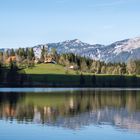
(37, 116)
(74, 110)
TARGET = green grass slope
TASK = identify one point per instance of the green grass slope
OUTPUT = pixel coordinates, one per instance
(48, 69)
(55, 75)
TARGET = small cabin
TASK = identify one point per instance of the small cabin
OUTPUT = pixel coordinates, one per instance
(74, 67)
(50, 59)
(71, 67)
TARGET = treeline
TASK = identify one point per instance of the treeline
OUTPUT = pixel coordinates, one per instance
(88, 65)
(25, 57)
(22, 57)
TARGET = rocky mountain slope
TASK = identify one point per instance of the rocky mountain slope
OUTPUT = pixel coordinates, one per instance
(120, 51)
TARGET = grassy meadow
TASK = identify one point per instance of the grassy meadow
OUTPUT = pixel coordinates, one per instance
(49, 69)
(58, 76)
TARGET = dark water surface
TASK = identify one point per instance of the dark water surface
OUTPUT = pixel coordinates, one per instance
(72, 114)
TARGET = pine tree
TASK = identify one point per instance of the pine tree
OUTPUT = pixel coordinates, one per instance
(43, 54)
(12, 52)
(96, 67)
(122, 69)
(103, 69)
(84, 66)
(131, 67)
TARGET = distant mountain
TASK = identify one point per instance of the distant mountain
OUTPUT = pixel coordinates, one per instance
(120, 51)
(77, 47)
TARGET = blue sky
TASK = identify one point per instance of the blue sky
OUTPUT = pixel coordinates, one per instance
(26, 23)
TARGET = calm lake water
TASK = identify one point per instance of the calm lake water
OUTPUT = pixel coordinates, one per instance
(72, 114)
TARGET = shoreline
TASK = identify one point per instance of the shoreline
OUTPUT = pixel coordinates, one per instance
(60, 89)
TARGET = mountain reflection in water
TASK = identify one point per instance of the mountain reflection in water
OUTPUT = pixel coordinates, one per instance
(120, 109)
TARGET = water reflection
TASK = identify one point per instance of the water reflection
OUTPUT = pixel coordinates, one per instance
(75, 110)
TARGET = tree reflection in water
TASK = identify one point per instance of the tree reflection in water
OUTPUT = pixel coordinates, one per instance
(74, 110)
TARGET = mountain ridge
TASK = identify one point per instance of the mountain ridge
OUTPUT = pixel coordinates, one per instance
(119, 51)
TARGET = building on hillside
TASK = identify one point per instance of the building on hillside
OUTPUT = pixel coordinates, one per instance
(50, 59)
(71, 67)
(74, 67)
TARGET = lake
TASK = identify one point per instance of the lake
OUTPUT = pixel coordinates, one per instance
(72, 114)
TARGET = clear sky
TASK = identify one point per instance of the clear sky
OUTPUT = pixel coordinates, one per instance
(26, 23)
